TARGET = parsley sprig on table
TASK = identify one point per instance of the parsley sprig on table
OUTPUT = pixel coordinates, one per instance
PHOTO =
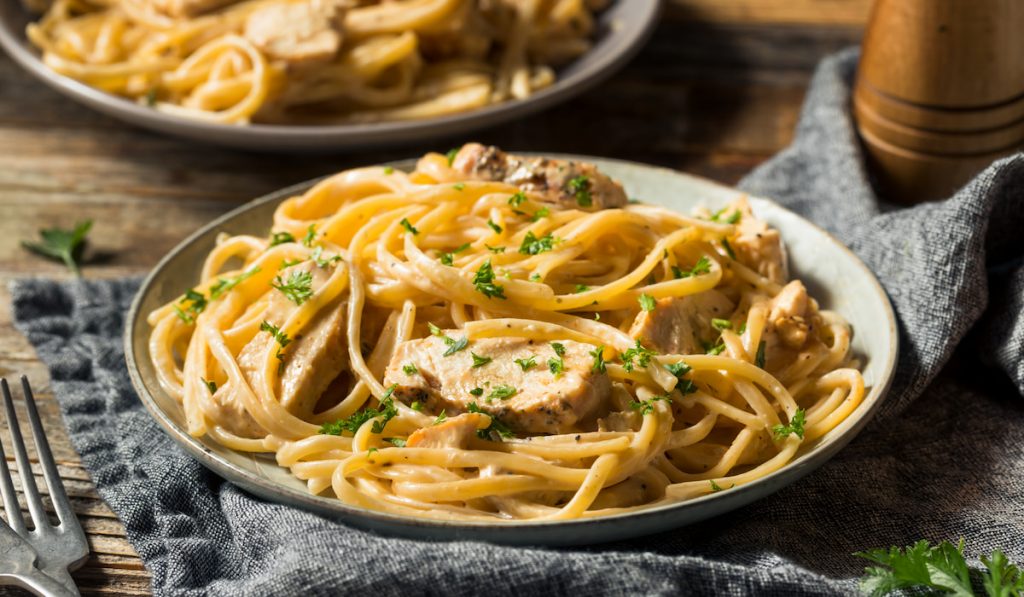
(62, 245)
(939, 569)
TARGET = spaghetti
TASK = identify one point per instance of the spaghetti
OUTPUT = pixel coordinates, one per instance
(314, 61)
(444, 344)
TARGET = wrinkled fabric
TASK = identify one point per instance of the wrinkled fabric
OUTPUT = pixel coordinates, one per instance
(942, 460)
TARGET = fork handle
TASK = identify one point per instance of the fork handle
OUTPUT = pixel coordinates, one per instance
(38, 583)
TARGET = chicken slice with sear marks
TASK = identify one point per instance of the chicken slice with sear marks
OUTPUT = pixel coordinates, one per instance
(312, 359)
(297, 32)
(567, 183)
(450, 433)
(525, 395)
(681, 325)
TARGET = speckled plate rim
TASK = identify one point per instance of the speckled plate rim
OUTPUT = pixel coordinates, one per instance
(559, 533)
(627, 25)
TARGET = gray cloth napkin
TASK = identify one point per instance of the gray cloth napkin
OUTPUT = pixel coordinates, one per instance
(943, 459)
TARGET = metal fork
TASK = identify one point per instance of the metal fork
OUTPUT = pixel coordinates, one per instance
(61, 547)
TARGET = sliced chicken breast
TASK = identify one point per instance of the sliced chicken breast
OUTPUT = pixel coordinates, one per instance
(451, 433)
(563, 182)
(759, 247)
(297, 32)
(534, 400)
(681, 325)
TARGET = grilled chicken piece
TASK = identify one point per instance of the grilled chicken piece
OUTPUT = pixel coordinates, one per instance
(681, 325)
(541, 402)
(451, 433)
(791, 326)
(188, 8)
(561, 182)
(297, 32)
(759, 247)
(312, 360)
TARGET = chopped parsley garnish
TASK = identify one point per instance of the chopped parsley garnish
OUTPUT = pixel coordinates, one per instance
(441, 418)
(721, 324)
(527, 364)
(434, 330)
(223, 285)
(389, 170)
(280, 238)
(455, 346)
(638, 356)
(310, 236)
(541, 213)
(732, 219)
(556, 366)
(559, 348)
(599, 364)
(728, 249)
(535, 246)
(282, 338)
(535, 277)
(298, 288)
(62, 245)
(496, 431)
(517, 199)
(502, 392)
(479, 361)
(320, 261)
(385, 413)
(580, 188)
(459, 186)
(714, 486)
(742, 328)
(395, 441)
(759, 358)
(477, 391)
(497, 229)
(646, 407)
(408, 226)
(647, 302)
(410, 369)
(580, 288)
(484, 282)
(288, 263)
(449, 258)
(451, 155)
(197, 303)
(416, 405)
(702, 266)
(795, 426)
(680, 369)
(494, 249)
(210, 385)
(715, 349)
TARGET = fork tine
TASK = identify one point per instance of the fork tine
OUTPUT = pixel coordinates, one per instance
(28, 482)
(11, 507)
(59, 497)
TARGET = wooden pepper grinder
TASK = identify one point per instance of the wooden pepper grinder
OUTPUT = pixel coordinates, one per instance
(940, 92)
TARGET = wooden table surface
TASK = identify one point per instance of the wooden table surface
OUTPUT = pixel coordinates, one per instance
(716, 92)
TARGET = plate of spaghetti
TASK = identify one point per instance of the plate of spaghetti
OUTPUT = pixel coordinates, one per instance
(503, 347)
(322, 74)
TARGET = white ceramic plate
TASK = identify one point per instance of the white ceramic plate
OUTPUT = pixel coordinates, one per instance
(838, 279)
(622, 30)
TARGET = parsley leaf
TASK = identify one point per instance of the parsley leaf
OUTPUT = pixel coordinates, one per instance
(479, 361)
(541, 213)
(638, 356)
(580, 288)
(410, 369)
(197, 303)
(721, 324)
(494, 249)
(599, 364)
(310, 236)
(796, 425)
(759, 359)
(556, 366)
(702, 266)
(502, 392)
(714, 486)
(434, 330)
(534, 246)
(210, 385)
(496, 431)
(449, 258)
(579, 186)
(389, 170)
(728, 249)
(559, 348)
(647, 302)
(408, 226)
(484, 282)
(288, 263)
(646, 407)
(320, 261)
(224, 285)
(385, 413)
(1001, 579)
(527, 364)
(280, 238)
(451, 153)
(921, 565)
(298, 288)
(517, 199)
(395, 441)
(62, 245)
(440, 418)
(455, 346)
(733, 218)
(282, 339)
(715, 349)
(477, 392)
(497, 229)
(680, 369)
(459, 186)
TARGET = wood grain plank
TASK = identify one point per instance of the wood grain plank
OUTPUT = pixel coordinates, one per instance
(805, 12)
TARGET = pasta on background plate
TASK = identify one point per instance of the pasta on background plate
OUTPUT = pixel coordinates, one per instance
(495, 337)
(314, 61)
